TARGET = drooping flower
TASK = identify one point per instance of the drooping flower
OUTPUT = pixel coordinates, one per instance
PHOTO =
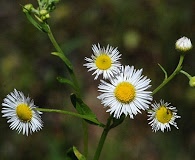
(162, 116)
(126, 93)
(103, 61)
(183, 44)
(21, 113)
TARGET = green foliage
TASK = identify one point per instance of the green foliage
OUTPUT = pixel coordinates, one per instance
(66, 81)
(109, 21)
(74, 154)
(165, 72)
(83, 109)
(49, 5)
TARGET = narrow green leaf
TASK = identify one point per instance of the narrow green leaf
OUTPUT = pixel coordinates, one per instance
(163, 70)
(72, 114)
(31, 20)
(74, 154)
(67, 81)
(78, 154)
(55, 53)
(83, 109)
(67, 62)
(63, 57)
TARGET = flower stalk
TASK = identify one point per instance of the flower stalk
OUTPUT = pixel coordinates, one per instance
(68, 113)
(103, 138)
(62, 56)
(175, 72)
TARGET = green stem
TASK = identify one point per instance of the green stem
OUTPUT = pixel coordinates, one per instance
(186, 74)
(102, 139)
(58, 49)
(68, 113)
(176, 71)
(61, 54)
(76, 87)
(86, 135)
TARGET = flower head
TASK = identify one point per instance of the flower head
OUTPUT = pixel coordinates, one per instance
(126, 93)
(162, 116)
(21, 113)
(103, 61)
(183, 44)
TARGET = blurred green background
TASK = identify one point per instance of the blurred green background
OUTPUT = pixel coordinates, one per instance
(145, 32)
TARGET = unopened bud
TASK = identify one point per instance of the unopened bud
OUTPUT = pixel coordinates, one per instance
(183, 44)
(192, 81)
(43, 12)
(27, 8)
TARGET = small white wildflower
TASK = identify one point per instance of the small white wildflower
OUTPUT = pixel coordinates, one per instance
(21, 113)
(104, 61)
(162, 116)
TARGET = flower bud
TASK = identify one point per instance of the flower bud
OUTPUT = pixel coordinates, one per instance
(27, 8)
(43, 12)
(192, 81)
(44, 15)
(47, 16)
(183, 44)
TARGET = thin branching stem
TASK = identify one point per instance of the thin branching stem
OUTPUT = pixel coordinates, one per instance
(175, 72)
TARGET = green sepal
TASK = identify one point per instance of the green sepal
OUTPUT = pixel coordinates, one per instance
(116, 122)
(83, 109)
(74, 154)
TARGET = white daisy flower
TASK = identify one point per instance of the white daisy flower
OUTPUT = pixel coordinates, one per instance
(103, 61)
(126, 93)
(183, 44)
(21, 113)
(162, 116)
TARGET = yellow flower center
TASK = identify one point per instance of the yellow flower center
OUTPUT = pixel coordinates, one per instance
(103, 62)
(24, 112)
(125, 92)
(163, 114)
